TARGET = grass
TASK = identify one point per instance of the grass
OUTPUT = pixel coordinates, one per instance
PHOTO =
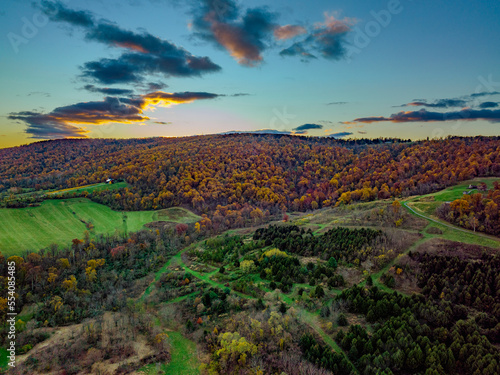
(91, 188)
(453, 233)
(60, 221)
(430, 202)
(184, 360)
(456, 191)
(178, 215)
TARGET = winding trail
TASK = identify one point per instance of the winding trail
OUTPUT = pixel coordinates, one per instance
(444, 223)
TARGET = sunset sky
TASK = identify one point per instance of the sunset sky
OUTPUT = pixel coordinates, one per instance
(145, 68)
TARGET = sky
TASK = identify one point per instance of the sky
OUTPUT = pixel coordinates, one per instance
(343, 69)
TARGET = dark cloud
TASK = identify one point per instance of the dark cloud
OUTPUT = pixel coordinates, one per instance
(308, 127)
(108, 91)
(441, 103)
(155, 86)
(298, 49)
(42, 126)
(485, 93)
(261, 131)
(488, 105)
(336, 103)
(161, 122)
(244, 35)
(425, 116)
(362, 132)
(463, 101)
(327, 39)
(58, 12)
(241, 94)
(339, 135)
(146, 53)
(60, 123)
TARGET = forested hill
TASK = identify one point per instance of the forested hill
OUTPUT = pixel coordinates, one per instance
(245, 175)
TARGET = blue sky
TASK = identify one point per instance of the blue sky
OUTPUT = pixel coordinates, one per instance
(430, 56)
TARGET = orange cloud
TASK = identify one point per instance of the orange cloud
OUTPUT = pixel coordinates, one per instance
(60, 122)
(288, 32)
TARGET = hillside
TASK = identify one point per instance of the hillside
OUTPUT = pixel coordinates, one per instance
(237, 179)
(249, 254)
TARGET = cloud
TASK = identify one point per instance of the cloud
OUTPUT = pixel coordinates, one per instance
(336, 103)
(263, 131)
(155, 86)
(288, 32)
(242, 34)
(327, 122)
(41, 93)
(362, 132)
(108, 91)
(60, 123)
(425, 116)
(488, 105)
(327, 39)
(241, 94)
(484, 93)
(161, 123)
(339, 135)
(145, 53)
(441, 103)
(60, 13)
(463, 101)
(42, 126)
(298, 49)
(308, 127)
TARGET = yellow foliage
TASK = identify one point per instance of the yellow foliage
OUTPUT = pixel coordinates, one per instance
(52, 277)
(56, 303)
(70, 284)
(63, 263)
(247, 266)
(17, 260)
(234, 344)
(274, 252)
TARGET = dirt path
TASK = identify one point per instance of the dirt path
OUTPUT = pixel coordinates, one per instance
(444, 223)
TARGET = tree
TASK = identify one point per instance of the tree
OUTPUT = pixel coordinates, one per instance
(342, 320)
(319, 292)
(369, 281)
(282, 308)
(332, 263)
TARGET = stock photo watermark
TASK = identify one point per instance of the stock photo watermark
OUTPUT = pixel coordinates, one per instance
(380, 20)
(11, 314)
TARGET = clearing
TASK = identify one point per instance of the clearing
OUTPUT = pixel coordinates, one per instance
(60, 221)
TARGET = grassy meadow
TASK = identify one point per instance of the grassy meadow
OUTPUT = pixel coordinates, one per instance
(60, 221)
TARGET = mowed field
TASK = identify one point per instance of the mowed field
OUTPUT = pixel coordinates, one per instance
(60, 221)
(430, 202)
(90, 188)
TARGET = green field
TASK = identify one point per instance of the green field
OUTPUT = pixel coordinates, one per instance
(60, 221)
(184, 360)
(430, 202)
(91, 188)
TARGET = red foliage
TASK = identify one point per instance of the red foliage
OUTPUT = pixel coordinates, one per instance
(181, 228)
